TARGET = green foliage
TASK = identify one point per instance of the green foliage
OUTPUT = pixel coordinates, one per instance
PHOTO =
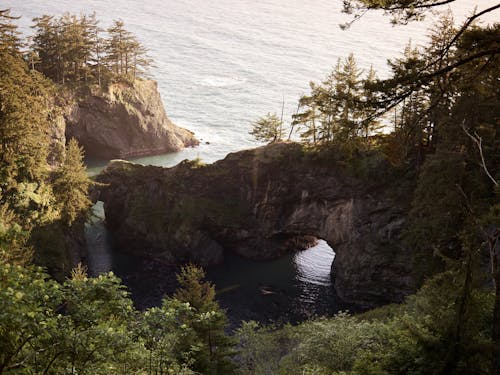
(70, 50)
(71, 185)
(24, 113)
(328, 345)
(10, 41)
(89, 326)
(199, 294)
(124, 54)
(80, 326)
(268, 128)
(437, 213)
(28, 302)
(26, 197)
(263, 347)
(210, 346)
(417, 337)
(39, 202)
(337, 109)
(423, 338)
(13, 239)
(446, 127)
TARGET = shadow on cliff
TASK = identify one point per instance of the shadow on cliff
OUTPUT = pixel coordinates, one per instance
(263, 203)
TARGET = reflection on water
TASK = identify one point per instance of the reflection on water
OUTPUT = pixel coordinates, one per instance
(99, 257)
(313, 265)
(313, 268)
(289, 289)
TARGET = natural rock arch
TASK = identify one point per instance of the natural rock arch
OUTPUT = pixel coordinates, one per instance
(260, 203)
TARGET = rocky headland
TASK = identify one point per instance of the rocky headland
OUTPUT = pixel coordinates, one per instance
(124, 120)
(264, 202)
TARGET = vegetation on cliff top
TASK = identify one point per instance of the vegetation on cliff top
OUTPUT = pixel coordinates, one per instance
(73, 50)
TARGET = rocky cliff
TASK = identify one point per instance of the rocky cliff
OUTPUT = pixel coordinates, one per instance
(261, 203)
(125, 120)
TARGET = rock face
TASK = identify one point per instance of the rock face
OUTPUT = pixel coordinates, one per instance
(125, 121)
(260, 203)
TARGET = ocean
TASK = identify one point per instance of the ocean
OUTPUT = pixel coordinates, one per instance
(222, 64)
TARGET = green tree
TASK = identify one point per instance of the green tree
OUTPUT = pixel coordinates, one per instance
(307, 121)
(10, 40)
(268, 128)
(14, 248)
(25, 108)
(125, 55)
(212, 348)
(169, 337)
(71, 184)
(338, 109)
(65, 47)
(452, 131)
(28, 301)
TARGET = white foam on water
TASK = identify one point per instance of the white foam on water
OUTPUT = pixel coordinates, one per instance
(220, 81)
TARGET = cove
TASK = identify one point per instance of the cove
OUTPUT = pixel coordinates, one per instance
(289, 289)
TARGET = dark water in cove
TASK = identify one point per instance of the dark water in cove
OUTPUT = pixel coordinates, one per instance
(289, 289)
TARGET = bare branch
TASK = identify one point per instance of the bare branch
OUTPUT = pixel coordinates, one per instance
(478, 141)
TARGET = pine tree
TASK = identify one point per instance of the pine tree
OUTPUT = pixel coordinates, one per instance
(71, 184)
(348, 96)
(368, 124)
(48, 46)
(307, 122)
(338, 109)
(268, 128)
(25, 107)
(125, 55)
(208, 322)
(10, 40)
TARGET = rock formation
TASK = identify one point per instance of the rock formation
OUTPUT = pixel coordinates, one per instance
(124, 121)
(260, 203)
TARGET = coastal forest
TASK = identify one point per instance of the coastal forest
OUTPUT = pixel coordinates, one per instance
(401, 175)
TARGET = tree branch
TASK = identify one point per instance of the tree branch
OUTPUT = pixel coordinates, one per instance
(417, 6)
(478, 141)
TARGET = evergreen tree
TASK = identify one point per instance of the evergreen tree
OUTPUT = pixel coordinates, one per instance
(14, 248)
(125, 55)
(208, 323)
(199, 294)
(70, 50)
(25, 107)
(339, 108)
(268, 128)
(10, 40)
(348, 91)
(48, 46)
(307, 121)
(71, 185)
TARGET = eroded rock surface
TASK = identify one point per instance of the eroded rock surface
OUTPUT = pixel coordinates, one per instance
(261, 203)
(124, 121)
